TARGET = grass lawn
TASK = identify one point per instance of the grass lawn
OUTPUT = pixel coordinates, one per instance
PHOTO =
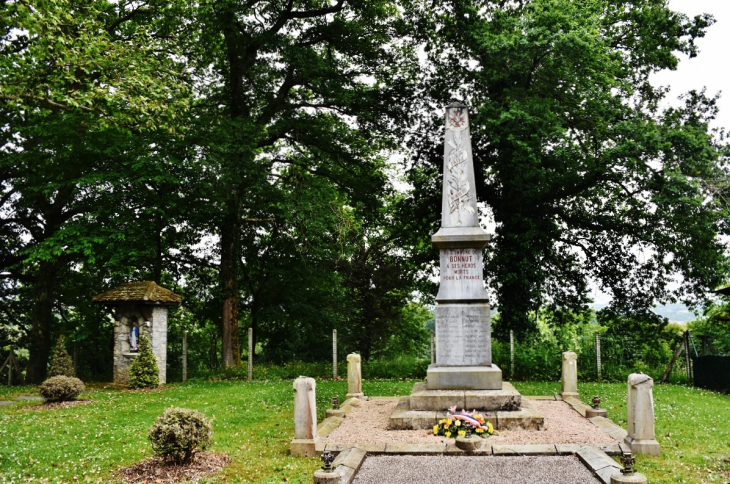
(691, 427)
(253, 424)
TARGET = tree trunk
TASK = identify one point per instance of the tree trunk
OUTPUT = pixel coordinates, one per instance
(158, 248)
(41, 322)
(230, 352)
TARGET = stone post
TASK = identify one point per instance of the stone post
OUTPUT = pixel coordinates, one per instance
(250, 354)
(334, 354)
(640, 408)
(354, 376)
(570, 375)
(305, 418)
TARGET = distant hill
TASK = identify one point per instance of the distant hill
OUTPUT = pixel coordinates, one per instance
(678, 313)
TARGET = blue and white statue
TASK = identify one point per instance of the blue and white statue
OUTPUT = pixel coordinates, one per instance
(134, 338)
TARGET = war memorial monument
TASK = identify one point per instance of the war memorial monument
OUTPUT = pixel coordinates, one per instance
(463, 373)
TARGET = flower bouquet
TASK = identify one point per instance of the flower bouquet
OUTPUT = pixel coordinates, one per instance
(459, 424)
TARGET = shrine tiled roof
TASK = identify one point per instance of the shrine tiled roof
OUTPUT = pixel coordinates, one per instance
(141, 292)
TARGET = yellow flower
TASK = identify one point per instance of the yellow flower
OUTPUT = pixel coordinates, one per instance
(442, 421)
(449, 422)
(462, 433)
(447, 434)
(435, 430)
(480, 431)
(490, 428)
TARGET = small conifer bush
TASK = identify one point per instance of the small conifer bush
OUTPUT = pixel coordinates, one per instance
(61, 362)
(143, 372)
(61, 388)
(178, 433)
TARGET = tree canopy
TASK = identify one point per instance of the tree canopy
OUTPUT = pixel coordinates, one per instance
(587, 175)
(241, 153)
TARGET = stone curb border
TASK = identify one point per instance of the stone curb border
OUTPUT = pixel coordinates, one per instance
(594, 457)
(349, 460)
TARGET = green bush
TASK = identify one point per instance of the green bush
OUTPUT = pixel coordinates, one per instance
(61, 363)
(178, 433)
(143, 372)
(61, 388)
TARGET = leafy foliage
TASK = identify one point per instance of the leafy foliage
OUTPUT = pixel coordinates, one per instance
(61, 362)
(61, 388)
(144, 372)
(179, 432)
(586, 176)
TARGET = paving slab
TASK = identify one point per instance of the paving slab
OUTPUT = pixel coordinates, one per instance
(598, 462)
(540, 397)
(328, 425)
(399, 448)
(533, 449)
(352, 459)
(568, 449)
(5, 404)
(336, 447)
(29, 398)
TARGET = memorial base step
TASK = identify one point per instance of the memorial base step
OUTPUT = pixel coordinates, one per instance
(464, 377)
(525, 418)
(506, 398)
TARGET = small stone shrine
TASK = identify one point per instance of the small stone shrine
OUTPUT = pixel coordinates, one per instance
(463, 373)
(140, 309)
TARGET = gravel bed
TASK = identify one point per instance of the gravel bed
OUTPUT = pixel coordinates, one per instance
(413, 469)
(367, 424)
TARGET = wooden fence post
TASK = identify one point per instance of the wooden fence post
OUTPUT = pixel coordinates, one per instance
(687, 356)
(598, 354)
(185, 356)
(432, 348)
(334, 354)
(250, 354)
(11, 363)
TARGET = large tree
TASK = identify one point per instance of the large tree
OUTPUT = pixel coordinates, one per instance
(587, 175)
(313, 84)
(87, 95)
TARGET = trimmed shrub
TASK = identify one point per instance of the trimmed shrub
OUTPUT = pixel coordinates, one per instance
(61, 388)
(179, 432)
(143, 372)
(61, 362)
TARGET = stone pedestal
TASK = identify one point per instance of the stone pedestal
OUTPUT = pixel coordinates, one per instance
(596, 412)
(570, 375)
(469, 444)
(635, 478)
(354, 376)
(322, 477)
(305, 418)
(640, 408)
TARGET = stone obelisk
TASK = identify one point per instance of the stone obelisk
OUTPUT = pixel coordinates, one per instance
(463, 327)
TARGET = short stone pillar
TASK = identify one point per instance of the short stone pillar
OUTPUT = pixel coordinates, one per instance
(354, 376)
(305, 418)
(570, 375)
(640, 407)
(324, 477)
(628, 478)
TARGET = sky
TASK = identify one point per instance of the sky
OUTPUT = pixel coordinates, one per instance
(710, 69)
